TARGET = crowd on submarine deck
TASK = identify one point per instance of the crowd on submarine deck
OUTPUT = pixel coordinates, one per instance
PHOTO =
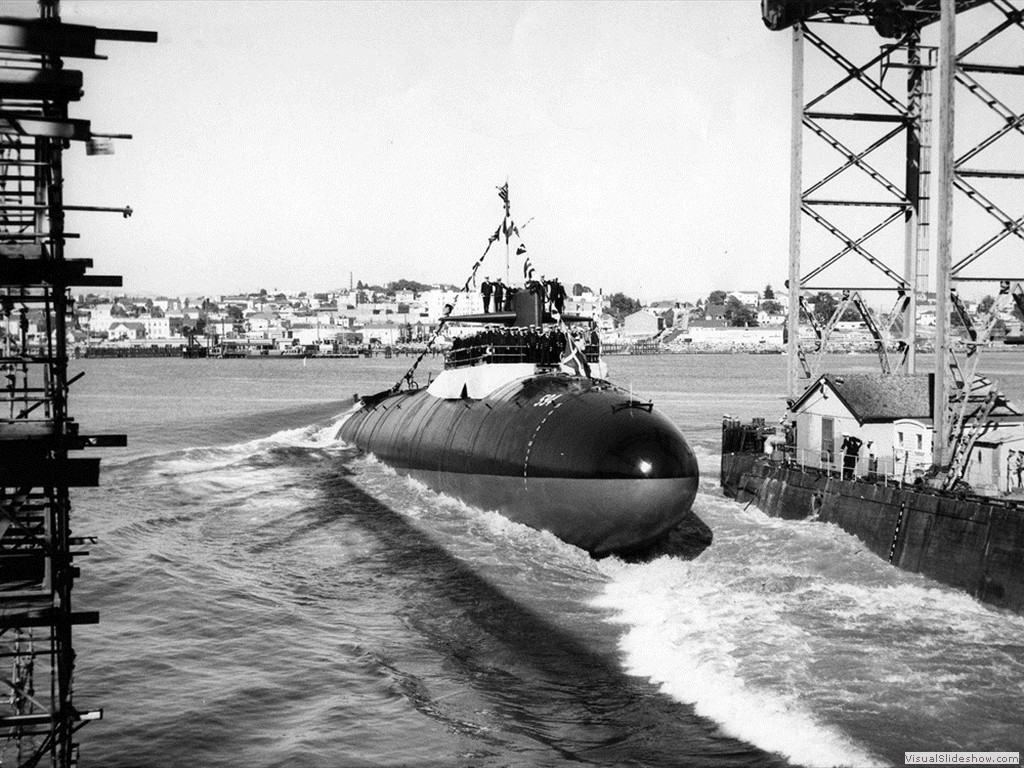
(517, 344)
(537, 344)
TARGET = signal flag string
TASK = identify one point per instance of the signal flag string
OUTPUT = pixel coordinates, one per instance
(408, 378)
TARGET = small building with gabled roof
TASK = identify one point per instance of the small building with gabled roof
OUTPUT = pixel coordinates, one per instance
(891, 415)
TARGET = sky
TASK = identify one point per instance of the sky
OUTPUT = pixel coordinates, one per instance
(289, 145)
(298, 145)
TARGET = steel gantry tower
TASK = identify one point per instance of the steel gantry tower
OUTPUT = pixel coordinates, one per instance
(38, 436)
(861, 173)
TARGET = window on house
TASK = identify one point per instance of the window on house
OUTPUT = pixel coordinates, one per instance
(920, 442)
(899, 438)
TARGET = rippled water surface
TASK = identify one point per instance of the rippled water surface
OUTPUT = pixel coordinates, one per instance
(268, 597)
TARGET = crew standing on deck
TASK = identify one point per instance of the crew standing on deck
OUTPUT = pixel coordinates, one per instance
(557, 296)
(485, 290)
(499, 295)
(850, 447)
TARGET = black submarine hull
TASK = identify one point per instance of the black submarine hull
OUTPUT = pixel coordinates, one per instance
(574, 456)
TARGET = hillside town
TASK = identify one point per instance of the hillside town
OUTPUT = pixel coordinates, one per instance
(404, 315)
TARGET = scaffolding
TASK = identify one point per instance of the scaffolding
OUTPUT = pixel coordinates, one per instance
(38, 436)
(883, 108)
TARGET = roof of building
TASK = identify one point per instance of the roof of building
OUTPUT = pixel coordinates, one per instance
(879, 397)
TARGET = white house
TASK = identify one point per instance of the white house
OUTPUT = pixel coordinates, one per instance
(100, 318)
(156, 327)
(380, 334)
(748, 298)
(259, 322)
(867, 406)
(434, 302)
(126, 330)
(892, 416)
(586, 305)
(764, 318)
(307, 333)
(644, 324)
(912, 447)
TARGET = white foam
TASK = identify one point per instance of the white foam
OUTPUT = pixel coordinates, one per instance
(332, 431)
(213, 459)
(480, 535)
(685, 636)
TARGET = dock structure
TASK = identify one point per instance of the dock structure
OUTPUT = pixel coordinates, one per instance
(43, 455)
(870, 104)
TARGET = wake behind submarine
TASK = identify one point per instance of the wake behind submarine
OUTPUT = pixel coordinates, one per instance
(521, 422)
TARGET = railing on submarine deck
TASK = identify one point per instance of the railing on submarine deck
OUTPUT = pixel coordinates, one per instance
(536, 348)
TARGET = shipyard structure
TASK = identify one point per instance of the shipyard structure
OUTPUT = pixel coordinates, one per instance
(43, 453)
(894, 101)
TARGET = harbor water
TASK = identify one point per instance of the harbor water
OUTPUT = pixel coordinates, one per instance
(270, 598)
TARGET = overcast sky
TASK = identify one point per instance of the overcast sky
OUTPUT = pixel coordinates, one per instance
(286, 144)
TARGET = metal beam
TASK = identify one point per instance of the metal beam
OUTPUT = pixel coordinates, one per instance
(944, 256)
(795, 211)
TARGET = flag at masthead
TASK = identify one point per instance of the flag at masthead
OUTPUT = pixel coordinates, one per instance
(507, 225)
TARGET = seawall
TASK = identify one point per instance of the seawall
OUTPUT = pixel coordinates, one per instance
(970, 543)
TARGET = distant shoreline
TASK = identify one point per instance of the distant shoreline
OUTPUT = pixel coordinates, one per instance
(166, 351)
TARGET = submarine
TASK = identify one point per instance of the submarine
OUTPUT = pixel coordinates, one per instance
(522, 422)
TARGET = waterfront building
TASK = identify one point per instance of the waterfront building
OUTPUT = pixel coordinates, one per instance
(100, 317)
(748, 298)
(259, 322)
(643, 324)
(891, 417)
(386, 335)
(126, 330)
(156, 327)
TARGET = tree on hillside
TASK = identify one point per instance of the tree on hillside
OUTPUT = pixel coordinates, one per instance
(717, 297)
(621, 305)
(739, 314)
(824, 306)
(772, 307)
(578, 289)
(986, 303)
(768, 294)
(407, 285)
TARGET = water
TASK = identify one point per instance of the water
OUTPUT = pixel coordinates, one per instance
(268, 597)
